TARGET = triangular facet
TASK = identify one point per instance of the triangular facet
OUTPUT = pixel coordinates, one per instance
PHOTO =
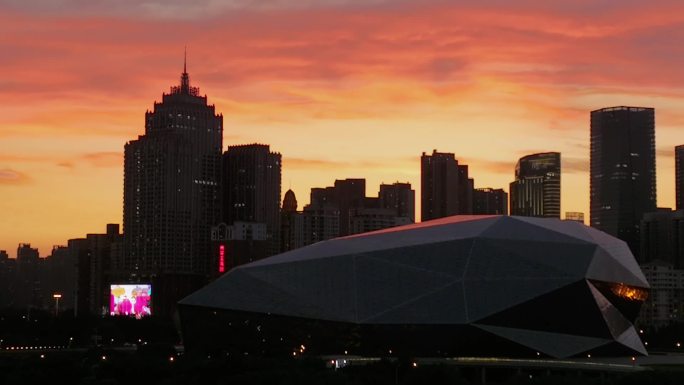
(616, 266)
(578, 314)
(569, 228)
(553, 344)
(516, 228)
(629, 338)
(444, 306)
(385, 285)
(503, 294)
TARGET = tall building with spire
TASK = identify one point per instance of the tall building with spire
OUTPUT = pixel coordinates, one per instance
(172, 190)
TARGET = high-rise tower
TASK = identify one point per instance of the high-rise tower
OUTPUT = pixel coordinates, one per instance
(399, 197)
(623, 178)
(446, 188)
(251, 190)
(171, 187)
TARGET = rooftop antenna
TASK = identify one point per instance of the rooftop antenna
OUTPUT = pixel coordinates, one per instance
(185, 79)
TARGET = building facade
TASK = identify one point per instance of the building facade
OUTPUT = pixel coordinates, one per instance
(349, 194)
(288, 213)
(400, 198)
(535, 192)
(29, 292)
(662, 259)
(679, 176)
(372, 219)
(662, 238)
(623, 177)
(665, 302)
(251, 189)
(95, 257)
(574, 216)
(489, 201)
(446, 188)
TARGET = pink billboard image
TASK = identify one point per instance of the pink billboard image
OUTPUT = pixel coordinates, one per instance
(130, 300)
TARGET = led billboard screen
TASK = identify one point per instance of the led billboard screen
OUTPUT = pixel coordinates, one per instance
(130, 300)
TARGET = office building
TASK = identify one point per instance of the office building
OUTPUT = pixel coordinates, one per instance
(7, 280)
(535, 192)
(623, 176)
(489, 201)
(29, 292)
(662, 238)
(665, 303)
(349, 194)
(251, 190)
(364, 220)
(94, 256)
(446, 188)
(400, 198)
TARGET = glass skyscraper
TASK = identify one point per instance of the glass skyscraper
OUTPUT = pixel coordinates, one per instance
(536, 189)
(623, 176)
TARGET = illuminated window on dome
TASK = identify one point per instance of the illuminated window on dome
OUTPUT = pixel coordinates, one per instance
(631, 293)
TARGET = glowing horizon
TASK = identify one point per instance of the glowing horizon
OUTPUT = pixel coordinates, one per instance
(342, 88)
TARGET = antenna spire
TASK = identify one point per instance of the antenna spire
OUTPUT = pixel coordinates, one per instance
(185, 79)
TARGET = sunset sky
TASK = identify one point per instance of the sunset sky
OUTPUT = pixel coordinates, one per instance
(342, 88)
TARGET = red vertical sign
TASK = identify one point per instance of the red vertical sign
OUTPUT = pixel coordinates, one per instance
(222, 258)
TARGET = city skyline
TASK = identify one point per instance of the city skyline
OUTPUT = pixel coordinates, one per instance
(63, 134)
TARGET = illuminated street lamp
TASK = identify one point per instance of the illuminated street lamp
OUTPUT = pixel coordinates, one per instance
(56, 296)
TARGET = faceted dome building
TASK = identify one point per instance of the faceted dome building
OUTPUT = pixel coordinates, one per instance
(456, 286)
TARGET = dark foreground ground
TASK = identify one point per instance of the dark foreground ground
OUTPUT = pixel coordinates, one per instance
(38, 348)
(156, 368)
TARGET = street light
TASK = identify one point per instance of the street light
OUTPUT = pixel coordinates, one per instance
(56, 296)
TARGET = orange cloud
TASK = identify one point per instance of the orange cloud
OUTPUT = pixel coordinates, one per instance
(13, 177)
(105, 159)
